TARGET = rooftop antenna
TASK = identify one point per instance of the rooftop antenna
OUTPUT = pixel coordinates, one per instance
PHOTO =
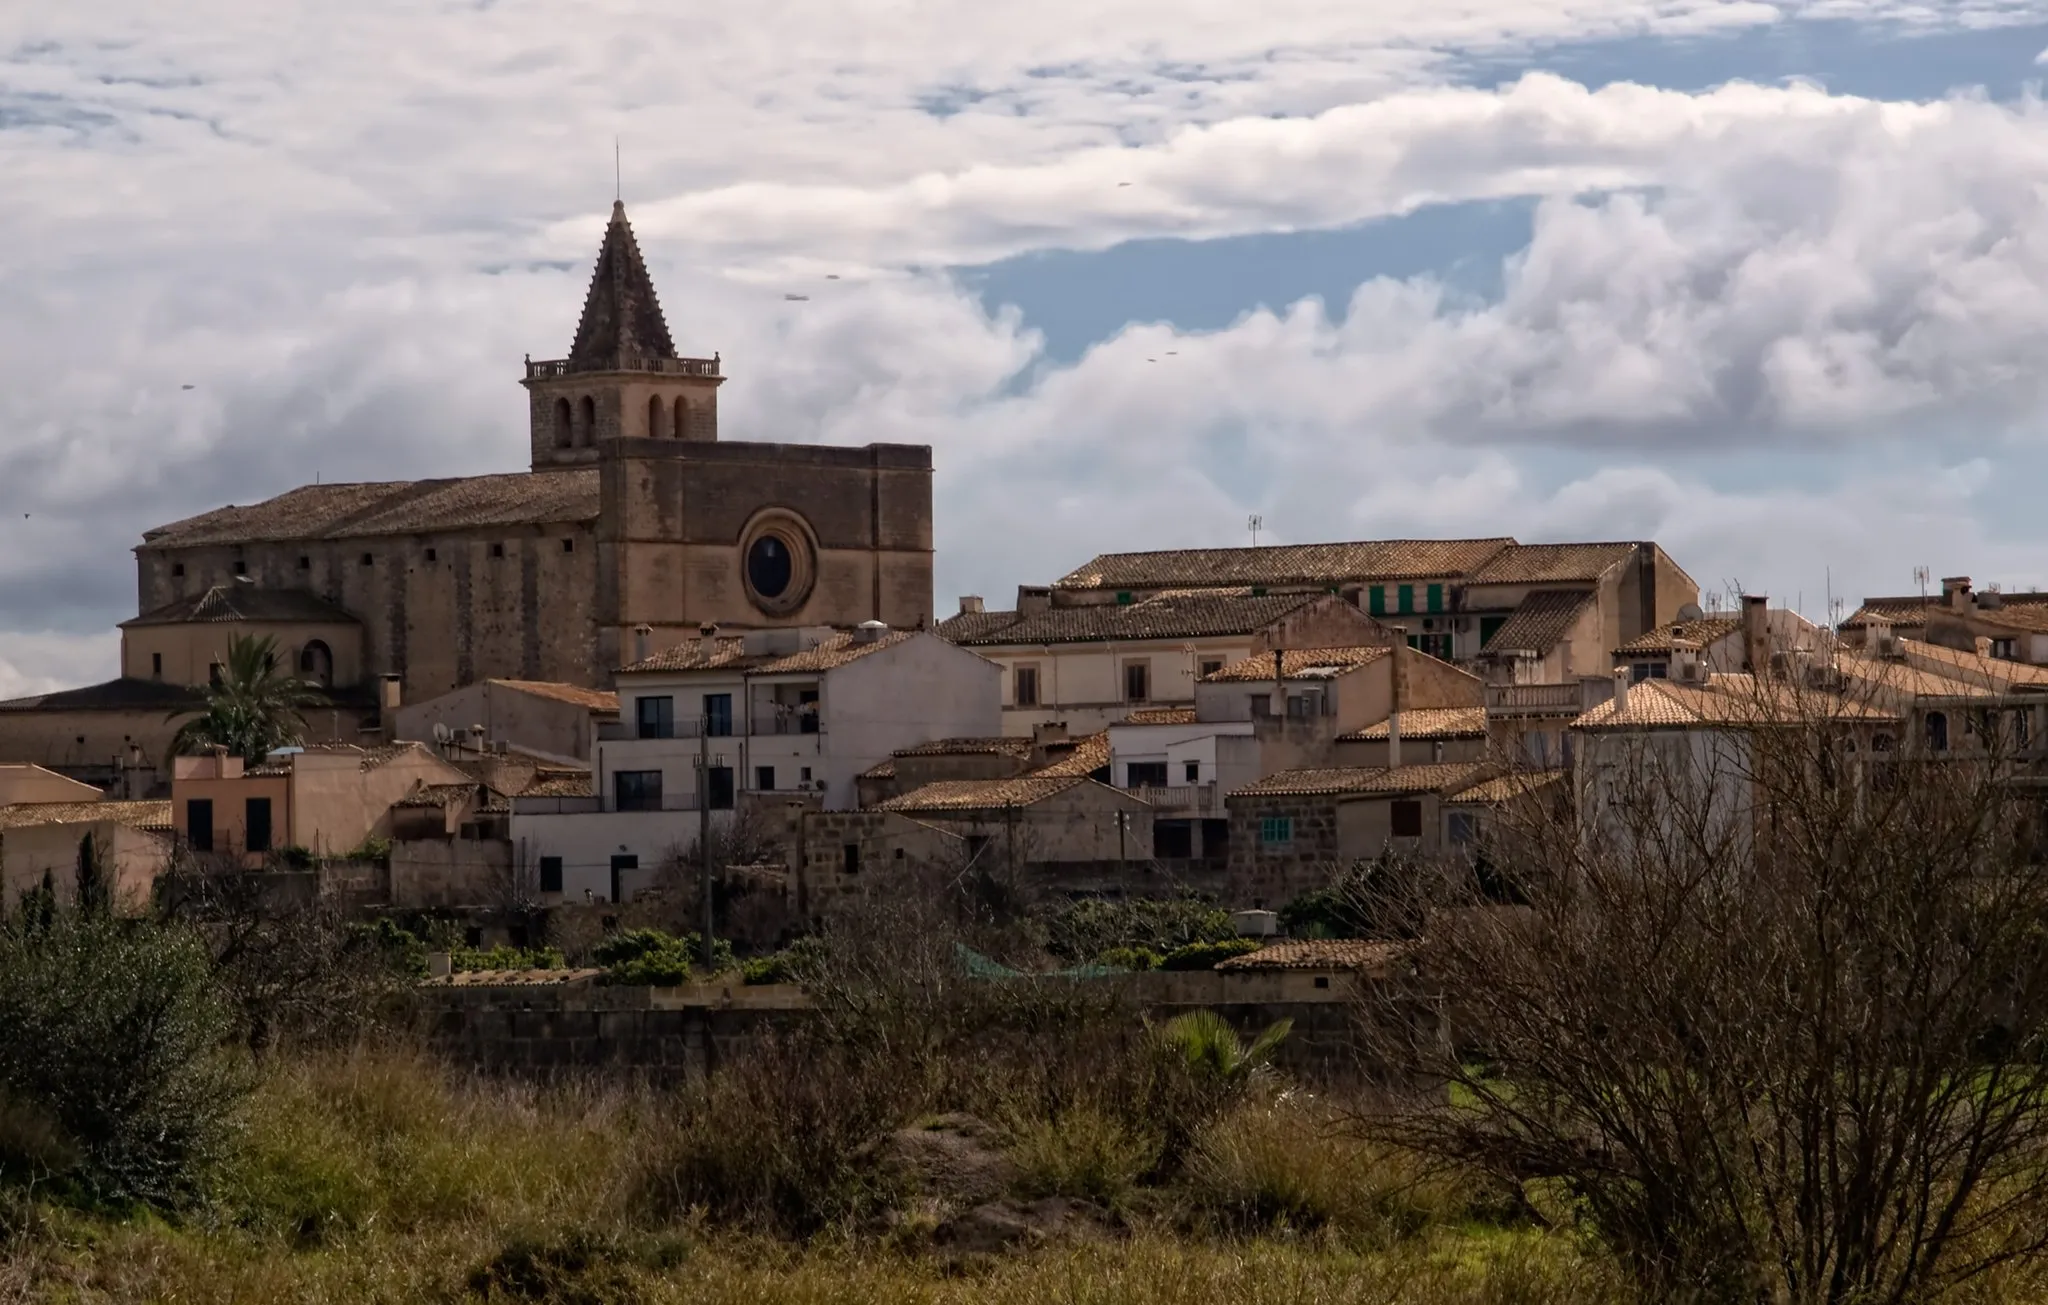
(1253, 524)
(1920, 574)
(618, 174)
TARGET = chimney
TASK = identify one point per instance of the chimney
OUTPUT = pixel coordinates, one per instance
(390, 693)
(1621, 679)
(643, 635)
(1279, 684)
(869, 631)
(1033, 599)
(1955, 591)
(1396, 671)
(970, 604)
(707, 640)
(1756, 639)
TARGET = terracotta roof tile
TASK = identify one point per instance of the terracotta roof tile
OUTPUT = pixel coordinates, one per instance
(1430, 777)
(1160, 716)
(1977, 668)
(964, 627)
(1504, 788)
(115, 695)
(1301, 565)
(880, 770)
(1542, 619)
(512, 978)
(835, 652)
(154, 816)
(575, 695)
(1909, 611)
(240, 602)
(1181, 615)
(561, 786)
(353, 511)
(1659, 642)
(730, 653)
(442, 796)
(1005, 746)
(1320, 954)
(1090, 754)
(983, 794)
(1725, 700)
(1297, 664)
(1551, 563)
(1430, 723)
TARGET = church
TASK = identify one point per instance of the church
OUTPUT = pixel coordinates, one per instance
(635, 522)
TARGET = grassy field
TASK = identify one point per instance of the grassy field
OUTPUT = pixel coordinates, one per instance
(378, 1176)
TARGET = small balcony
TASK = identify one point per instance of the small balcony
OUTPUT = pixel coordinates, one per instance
(1538, 699)
(591, 806)
(793, 721)
(625, 731)
(556, 368)
(1201, 798)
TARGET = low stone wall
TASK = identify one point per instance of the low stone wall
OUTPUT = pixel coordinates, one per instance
(675, 1032)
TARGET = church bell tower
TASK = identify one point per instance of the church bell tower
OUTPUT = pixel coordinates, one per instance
(622, 378)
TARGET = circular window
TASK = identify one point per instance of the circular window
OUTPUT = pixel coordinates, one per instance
(768, 566)
(777, 561)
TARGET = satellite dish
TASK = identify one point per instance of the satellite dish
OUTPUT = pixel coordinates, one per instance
(442, 733)
(1690, 612)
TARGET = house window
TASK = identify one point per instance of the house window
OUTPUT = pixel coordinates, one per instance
(1024, 686)
(177, 569)
(199, 823)
(718, 715)
(1462, 827)
(718, 788)
(305, 563)
(1211, 665)
(636, 790)
(807, 711)
(1145, 774)
(849, 859)
(256, 824)
(1937, 731)
(1489, 626)
(620, 864)
(804, 776)
(1407, 818)
(1436, 598)
(1376, 600)
(568, 546)
(1137, 681)
(551, 874)
(497, 550)
(565, 425)
(156, 665)
(1407, 597)
(764, 778)
(316, 663)
(241, 568)
(1193, 771)
(657, 717)
(1173, 840)
(1276, 831)
(369, 559)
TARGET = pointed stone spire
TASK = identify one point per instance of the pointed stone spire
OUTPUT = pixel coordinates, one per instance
(622, 327)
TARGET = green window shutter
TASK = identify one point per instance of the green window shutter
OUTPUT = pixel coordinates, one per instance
(1489, 626)
(1436, 598)
(1123, 598)
(1407, 598)
(1376, 600)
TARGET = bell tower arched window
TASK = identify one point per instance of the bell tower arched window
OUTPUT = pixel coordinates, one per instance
(586, 433)
(316, 663)
(682, 418)
(657, 415)
(565, 425)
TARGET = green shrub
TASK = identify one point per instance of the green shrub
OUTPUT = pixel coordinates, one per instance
(1084, 1152)
(790, 965)
(1206, 955)
(1083, 930)
(115, 1076)
(651, 958)
(1129, 958)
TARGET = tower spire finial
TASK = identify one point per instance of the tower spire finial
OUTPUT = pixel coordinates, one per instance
(618, 175)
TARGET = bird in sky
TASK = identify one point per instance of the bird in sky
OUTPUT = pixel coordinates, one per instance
(831, 276)
(798, 299)
(188, 387)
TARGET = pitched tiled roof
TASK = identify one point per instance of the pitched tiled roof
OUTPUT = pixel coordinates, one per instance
(1178, 615)
(729, 653)
(1320, 954)
(115, 695)
(1160, 716)
(1310, 782)
(880, 770)
(1320, 565)
(1910, 610)
(1430, 723)
(1536, 564)
(561, 786)
(1504, 788)
(374, 757)
(400, 507)
(983, 794)
(1006, 746)
(964, 627)
(1090, 754)
(575, 695)
(152, 816)
(1542, 619)
(1659, 642)
(1730, 700)
(1297, 664)
(240, 602)
(622, 325)
(512, 978)
(440, 795)
(1972, 668)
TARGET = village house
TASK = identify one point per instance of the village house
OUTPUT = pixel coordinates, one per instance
(328, 799)
(44, 825)
(545, 721)
(2013, 626)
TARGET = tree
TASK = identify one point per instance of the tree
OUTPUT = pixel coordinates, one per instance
(1771, 1009)
(252, 708)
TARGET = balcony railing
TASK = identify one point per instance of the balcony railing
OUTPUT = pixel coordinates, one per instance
(590, 806)
(793, 722)
(1179, 797)
(621, 731)
(556, 368)
(1535, 699)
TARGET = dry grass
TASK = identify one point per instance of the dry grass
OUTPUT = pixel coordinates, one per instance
(381, 1177)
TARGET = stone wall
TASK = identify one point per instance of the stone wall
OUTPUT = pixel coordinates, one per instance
(1269, 876)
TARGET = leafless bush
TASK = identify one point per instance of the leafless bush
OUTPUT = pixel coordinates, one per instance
(1772, 1013)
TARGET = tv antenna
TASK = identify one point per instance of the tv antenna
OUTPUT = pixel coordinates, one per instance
(1920, 575)
(1254, 523)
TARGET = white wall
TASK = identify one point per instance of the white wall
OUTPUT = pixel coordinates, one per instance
(587, 843)
(1082, 683)
(1174, 746)
(913, 692)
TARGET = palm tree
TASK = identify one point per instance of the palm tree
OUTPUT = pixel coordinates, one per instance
(1211, 1049)
(250, 709)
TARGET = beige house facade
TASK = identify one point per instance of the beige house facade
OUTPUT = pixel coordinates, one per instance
(328, 799)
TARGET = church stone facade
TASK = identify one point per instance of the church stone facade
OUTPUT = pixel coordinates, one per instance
(635, 514)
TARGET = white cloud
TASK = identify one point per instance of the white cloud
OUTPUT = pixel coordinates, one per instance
(42, 661)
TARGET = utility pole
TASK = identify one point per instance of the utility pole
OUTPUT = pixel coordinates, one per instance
(704, 827)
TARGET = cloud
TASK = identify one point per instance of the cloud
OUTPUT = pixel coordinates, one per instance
(40, 661)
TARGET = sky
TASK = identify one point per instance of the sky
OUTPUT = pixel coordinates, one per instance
(1763, 280)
